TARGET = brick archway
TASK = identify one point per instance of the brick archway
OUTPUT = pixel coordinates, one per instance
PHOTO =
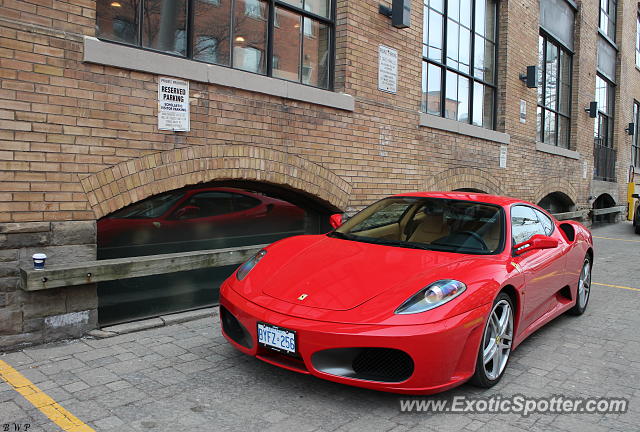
(464, 178)
(133, 180)
(555, 184)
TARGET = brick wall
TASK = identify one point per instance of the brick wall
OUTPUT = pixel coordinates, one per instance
(69, 129)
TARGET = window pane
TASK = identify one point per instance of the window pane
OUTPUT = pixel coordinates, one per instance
(557, 17)
(601, 95)
(250, 33)
(211, 28)
(318, 7)
(433, 34)
(117, 21)
(565, 83)
(463, 99)
(485, 18)
(482, 105)
(483, 61)
(164, 25)
(488, 102)
(431, 85)
(540, 70)
(465, 13)
(549, 128)
(454, 9)
(451, 96)
(296, 3)
(465, 47)
(563, 132)
(315, 58)
(478, 106)
(539, 124)
(452, 43)
(286, 45)
(551, 76)
(437, 5)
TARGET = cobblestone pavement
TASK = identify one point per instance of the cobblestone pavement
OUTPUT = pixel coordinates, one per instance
(186, 377)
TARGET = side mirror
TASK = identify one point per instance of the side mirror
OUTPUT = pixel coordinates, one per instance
(335, 220)
(538, 241)
(637, 196)
(187, 212)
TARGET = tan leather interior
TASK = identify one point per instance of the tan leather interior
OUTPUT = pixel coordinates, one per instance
(428, 228)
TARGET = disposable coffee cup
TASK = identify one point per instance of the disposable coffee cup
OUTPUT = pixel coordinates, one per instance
(38, 261)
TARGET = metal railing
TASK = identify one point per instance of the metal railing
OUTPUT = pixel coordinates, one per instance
(604, 161)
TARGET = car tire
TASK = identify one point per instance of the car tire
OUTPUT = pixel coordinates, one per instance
(584, 289)
(495, 346)
(637, 226)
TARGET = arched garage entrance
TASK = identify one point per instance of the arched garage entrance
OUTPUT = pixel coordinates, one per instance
(213, 215)
(604, 201)
(257, 177)
(557, 202)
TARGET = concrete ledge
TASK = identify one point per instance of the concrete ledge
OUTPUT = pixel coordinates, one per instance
(558, 151)
(164, 320)
(126, 57)
(449, 125)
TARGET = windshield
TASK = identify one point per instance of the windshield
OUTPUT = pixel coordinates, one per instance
(150, 208)
(428, 223)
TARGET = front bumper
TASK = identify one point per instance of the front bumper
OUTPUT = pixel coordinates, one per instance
(443, 353)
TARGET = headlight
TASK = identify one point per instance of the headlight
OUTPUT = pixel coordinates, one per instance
(249, 264)
(434, 295)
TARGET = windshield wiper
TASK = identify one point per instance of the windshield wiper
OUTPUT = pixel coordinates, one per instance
(338, 234)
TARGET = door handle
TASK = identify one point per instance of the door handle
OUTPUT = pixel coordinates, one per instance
(157, 224)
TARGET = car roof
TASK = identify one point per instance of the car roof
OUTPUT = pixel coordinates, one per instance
(468, 196)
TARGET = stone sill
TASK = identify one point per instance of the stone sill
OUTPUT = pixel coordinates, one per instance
(441, 123)
(558, 151)
(126, 57)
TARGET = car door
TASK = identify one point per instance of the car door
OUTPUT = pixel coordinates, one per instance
(543, 269)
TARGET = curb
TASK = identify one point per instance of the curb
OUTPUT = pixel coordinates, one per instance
(161, 321)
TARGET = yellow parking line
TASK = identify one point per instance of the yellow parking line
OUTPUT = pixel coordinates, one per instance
(618, 239)
(616, 286)
(60, 416)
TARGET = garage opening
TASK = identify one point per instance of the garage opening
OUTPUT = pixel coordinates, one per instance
(605, 201)
(207, 216)
(557, 202)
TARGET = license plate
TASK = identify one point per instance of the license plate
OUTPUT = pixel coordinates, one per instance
(277, 338)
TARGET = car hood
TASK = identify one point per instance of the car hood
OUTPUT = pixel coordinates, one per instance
(336, 274)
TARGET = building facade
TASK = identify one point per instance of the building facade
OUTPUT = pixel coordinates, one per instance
(288, 98)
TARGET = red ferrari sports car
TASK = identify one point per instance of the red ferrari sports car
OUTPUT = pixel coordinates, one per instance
(416, 293)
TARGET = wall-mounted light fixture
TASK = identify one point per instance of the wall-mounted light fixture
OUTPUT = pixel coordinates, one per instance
(592, 109)
(630, 129)
(399, 12)
(531, 77)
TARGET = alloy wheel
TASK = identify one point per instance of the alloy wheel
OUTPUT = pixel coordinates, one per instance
(498, 336)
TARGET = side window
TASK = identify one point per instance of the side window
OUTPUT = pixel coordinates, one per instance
(243, 202)
(524, 224)
(546, 222)
(206, 204)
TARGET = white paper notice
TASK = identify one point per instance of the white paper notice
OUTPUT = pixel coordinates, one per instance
(173, 105)
(503, 156)
(523, 111)
(387, 69)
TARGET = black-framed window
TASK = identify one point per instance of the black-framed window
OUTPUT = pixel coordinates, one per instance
(635, 142)
(608, 18)
(459, 58)
(603, 128)
(288, 39)
(554, 92)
